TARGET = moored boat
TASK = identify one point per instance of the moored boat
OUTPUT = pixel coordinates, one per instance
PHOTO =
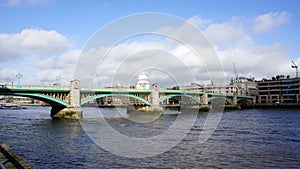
(11, 106)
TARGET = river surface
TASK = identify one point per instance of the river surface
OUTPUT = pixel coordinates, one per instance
(252, 138)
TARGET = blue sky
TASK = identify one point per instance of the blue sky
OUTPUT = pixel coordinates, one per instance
(73, 22)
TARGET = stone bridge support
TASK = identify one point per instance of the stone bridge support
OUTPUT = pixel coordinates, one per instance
(254, 100)
(73, 111)
(234, 100)
(155, 99)
(205, 99)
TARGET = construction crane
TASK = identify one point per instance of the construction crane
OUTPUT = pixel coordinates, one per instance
(296, 67)
(235, 72)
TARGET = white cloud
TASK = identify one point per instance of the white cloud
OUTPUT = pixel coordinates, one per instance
(166, 60)
(268, 21)
(225, 34)
(174, 63)
(32, 42)
(23, 2)
(258, 61)
(232, 40)
(234, 43)
(65, 61)
(38, 54)
(199, 22)
(47, 69)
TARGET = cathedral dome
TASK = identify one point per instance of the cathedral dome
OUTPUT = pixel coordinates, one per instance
(142, 76)
(143, 82)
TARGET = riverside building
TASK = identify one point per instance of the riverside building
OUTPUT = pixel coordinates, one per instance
(279, 89)
(238, 86)
(246, 86)
(213, 88)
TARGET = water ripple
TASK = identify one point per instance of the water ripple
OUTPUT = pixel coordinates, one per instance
(243, 139)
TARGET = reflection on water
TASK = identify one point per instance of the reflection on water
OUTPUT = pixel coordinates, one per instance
(243, 139)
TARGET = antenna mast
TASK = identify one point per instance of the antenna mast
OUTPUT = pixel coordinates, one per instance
(296, 67)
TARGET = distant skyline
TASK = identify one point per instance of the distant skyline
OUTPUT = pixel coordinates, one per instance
(42, 39)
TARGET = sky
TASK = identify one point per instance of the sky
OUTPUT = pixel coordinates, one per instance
(44, 39)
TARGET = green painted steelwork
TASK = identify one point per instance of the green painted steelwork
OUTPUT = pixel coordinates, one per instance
(222, 97)
(48, 98)
(35, 91)
(180, 92)
(114, 91)
(111, 95)
(41, 96)
(176, 95)
(245, 99)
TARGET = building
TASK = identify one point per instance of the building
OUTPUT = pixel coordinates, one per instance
(246, 86)
(143, 82)
(239, 86)
(279, 89)
(214, 88)
(20, 100)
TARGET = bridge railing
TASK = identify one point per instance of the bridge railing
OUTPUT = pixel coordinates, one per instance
(115, 89)
(38, 87)
(123, 90)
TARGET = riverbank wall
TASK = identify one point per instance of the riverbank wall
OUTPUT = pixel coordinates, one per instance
(11, 160)
(277, 105)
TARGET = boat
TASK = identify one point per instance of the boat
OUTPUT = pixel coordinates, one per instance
(11, 106)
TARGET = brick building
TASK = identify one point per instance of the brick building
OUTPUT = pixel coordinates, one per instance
(279, 89)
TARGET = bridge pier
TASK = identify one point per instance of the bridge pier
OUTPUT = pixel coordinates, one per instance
(73, 111)
(234, 100)
(205, 99)
(66, 113)
(155, 99)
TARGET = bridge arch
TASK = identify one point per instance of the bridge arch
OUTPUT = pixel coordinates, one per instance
(111, 95)
(224, 98)
(176, 95)
(244, 101)
(44, 98)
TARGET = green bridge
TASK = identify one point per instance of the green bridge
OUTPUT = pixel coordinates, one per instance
(66, 102)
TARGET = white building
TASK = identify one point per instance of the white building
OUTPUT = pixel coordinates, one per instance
(239, 86)
(214, 88)
(246, 86)
(143, 82)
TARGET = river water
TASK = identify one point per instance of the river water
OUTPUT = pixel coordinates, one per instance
(252, 138)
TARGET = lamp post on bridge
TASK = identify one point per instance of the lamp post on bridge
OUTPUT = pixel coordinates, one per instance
(7, 80)
(19, 76)
(58, 78)
(43, 82)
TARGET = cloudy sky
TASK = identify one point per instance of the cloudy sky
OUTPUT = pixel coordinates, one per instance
(43, 39)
